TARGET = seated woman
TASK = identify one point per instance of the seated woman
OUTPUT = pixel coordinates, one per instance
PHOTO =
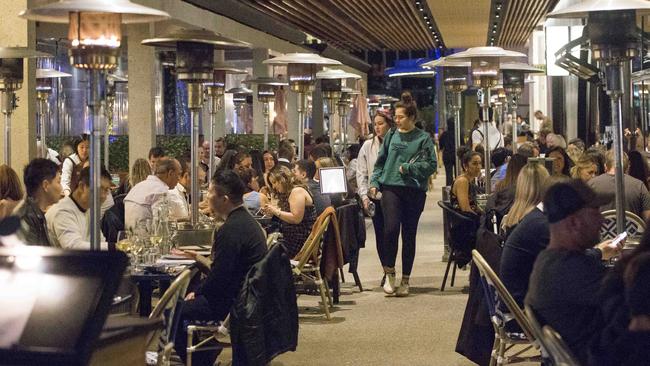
(585, 168)
(11, 190)
(253, 199)
(561, 161)
(464, 190)
(295, 209)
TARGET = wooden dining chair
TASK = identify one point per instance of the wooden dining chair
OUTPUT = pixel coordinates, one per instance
(166, 309)
(306, 265)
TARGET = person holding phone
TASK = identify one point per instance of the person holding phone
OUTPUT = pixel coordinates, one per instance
(405, 161)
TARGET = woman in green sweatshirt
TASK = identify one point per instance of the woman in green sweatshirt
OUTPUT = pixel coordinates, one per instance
(406, 160)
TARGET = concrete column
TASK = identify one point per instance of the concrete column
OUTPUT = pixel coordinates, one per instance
(259, 70)
(142, 121)
(17, 32)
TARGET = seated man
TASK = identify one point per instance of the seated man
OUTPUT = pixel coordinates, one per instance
(238, 245)
(637, 198)
(43, 185)
(179, 207)
(147, 195)
(68, 221)
(155, 153)
(305, 171)
(566, 276)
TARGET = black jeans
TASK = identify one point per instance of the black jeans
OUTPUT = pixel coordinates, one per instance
(378, 225)
(193, 310)
(402, 207)
(450, 168)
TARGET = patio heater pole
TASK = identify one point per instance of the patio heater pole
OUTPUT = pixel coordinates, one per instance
(614, 76)
(486, 137)
(456, 106)
(94, 104)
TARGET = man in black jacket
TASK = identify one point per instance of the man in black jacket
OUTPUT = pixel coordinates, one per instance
(238, 245)
(43, 184)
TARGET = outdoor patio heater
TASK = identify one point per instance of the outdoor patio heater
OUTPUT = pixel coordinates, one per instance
(239, 99)
(214, 90)
(455, 75)
(301, 75)
(11, 80)
(195, 66)
(44, 81)
(266, 88)
(95, 34)
(485, 65)
(612, 32)
(514, 75)
(337, 98)
(113, 80)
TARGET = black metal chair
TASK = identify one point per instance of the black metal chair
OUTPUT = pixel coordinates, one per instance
(467, 224)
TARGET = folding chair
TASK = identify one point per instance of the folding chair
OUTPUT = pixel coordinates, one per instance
(504, 340)
(216, 332)
(166, 308)
(307, 264)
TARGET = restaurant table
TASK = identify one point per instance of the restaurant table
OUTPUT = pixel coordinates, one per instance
(145, 282)
(123, 341)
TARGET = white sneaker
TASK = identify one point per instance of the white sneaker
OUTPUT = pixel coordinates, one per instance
(402, 290)
(389, 285)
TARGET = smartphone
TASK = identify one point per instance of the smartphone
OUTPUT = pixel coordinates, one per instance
(619, 238)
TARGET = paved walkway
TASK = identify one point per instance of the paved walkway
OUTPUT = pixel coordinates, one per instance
(371, 329)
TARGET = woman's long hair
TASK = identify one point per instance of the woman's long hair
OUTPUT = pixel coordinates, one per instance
(585, 161)
(568, 163)
(530, 189)
(10, 186)
(139, 172)
(638, 167)
(282, 176)
(516, 163)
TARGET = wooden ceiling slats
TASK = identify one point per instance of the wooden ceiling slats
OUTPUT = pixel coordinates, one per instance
(411, 22)
(521, 18)
(380, 14)
(421, 26)
(370, 22)
(368, 43)
(355, 38)
(355, 24)
(267, 8)
(370, 17)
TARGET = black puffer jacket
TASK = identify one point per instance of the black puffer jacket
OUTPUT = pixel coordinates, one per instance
(264, 318)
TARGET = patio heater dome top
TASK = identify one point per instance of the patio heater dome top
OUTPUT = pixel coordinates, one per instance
(487, 51)
(170, 40)
(521, 66)
(228, 68)
(336, 74)
(239, 90)
(445, 62)
(264, 80)
(59, 12)
(21, 52)
(350, 91)
(582, 10)
(301, 58)
(51, 73)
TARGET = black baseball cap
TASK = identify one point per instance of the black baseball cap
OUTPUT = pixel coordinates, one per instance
(565, 198)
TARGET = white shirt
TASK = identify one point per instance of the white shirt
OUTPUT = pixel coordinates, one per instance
(142, 199)
(68, 226)
(179, 208)
(366, 164)
(66, 172)
(495, 137)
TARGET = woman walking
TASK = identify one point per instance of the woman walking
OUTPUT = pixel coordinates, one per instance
(404, 163)
(365, 166)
